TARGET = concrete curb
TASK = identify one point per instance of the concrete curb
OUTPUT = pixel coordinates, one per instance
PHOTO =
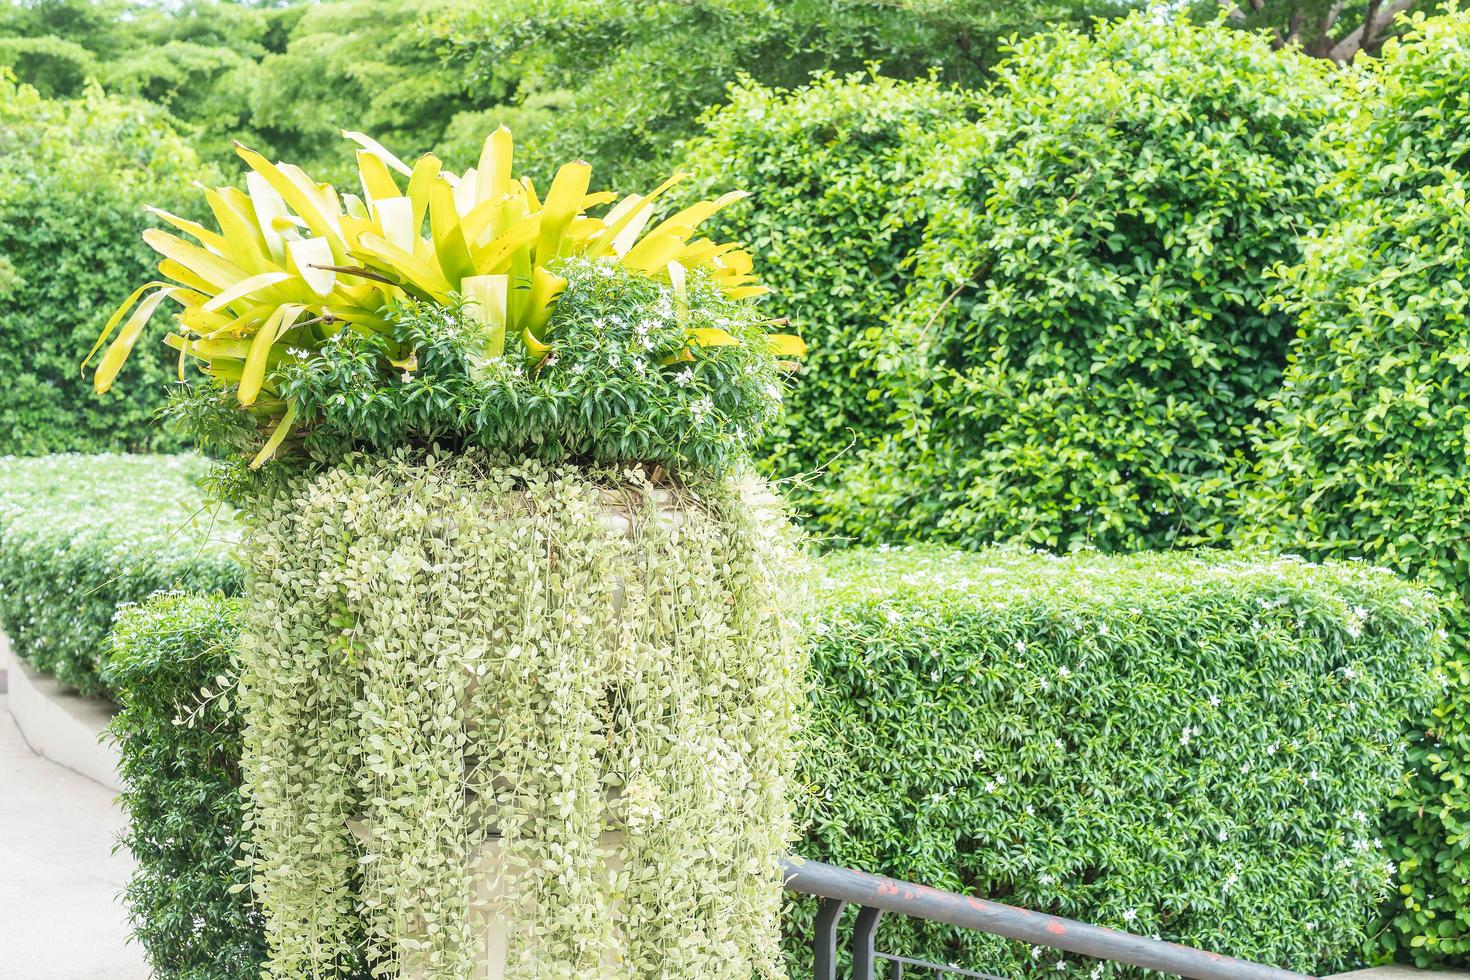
(60, 724)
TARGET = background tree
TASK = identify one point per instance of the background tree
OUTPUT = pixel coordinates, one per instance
(621, 82)
(1335, 29)
(1086, 308)
(75, 175)
(1364, 450)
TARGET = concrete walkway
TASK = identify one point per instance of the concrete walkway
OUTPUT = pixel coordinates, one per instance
(61, 917)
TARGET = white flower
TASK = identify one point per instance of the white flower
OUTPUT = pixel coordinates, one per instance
(1129, 915)
(1046, 879)
(1222, 837)
(1020, 646)
(684, 378)
(1214, 700)
(407, 377)
(1064, 672)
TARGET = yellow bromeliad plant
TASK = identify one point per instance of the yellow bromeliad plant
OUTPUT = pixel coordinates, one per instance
(293, 264)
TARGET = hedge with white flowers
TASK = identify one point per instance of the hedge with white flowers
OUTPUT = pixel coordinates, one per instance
(1195, 747)
(81, 534)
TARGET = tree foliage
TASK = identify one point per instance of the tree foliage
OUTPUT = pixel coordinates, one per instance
(836, 213)
(1086, 310)
(578, 61)
(75, 176)
(1364, 451)
(284, 79)
(1334, 29)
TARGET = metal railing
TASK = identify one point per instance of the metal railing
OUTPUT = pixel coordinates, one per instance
(875, 895)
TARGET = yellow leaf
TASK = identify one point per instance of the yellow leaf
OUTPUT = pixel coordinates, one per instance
(307, 257)
(257, 360)
(377, 150)
(304, 197)
(449, 244)
(215, 271)
(495, 165)
(412, 270)
(747, 292)
(117, 316)
(206, 237)
(626, 221)
(546, 289)
(425, 170)
(377, 179)
(712, 337)
(283, 428)
(243, 288)
(118, 352)
(487, 300)
(568, 188)
(785, 344)
(654, 252)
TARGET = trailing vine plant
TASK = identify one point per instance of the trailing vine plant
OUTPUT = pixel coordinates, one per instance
(590, 675)
(518, 656)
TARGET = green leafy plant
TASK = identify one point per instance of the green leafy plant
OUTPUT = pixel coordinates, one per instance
(171, 662)
(80, 535)
(837, 212)
(294, 267)
(1363, 452)
(1086, 313)
(1195, 747)
(74, 175)
(622, 384)
(592, 676)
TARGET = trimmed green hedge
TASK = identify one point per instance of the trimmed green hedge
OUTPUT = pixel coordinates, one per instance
(1200, 748)
(75, 176)
(1364, 451)
(834, 211)
(180, 763)
(1086, 306)
(80, 535)
(1196, 747)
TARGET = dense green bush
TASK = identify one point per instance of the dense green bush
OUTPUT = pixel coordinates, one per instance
(180, 750)
(74, 179)
(1194, 747)
(80, 535)
(1365, 451)
(1088, 299)
(832, 169)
